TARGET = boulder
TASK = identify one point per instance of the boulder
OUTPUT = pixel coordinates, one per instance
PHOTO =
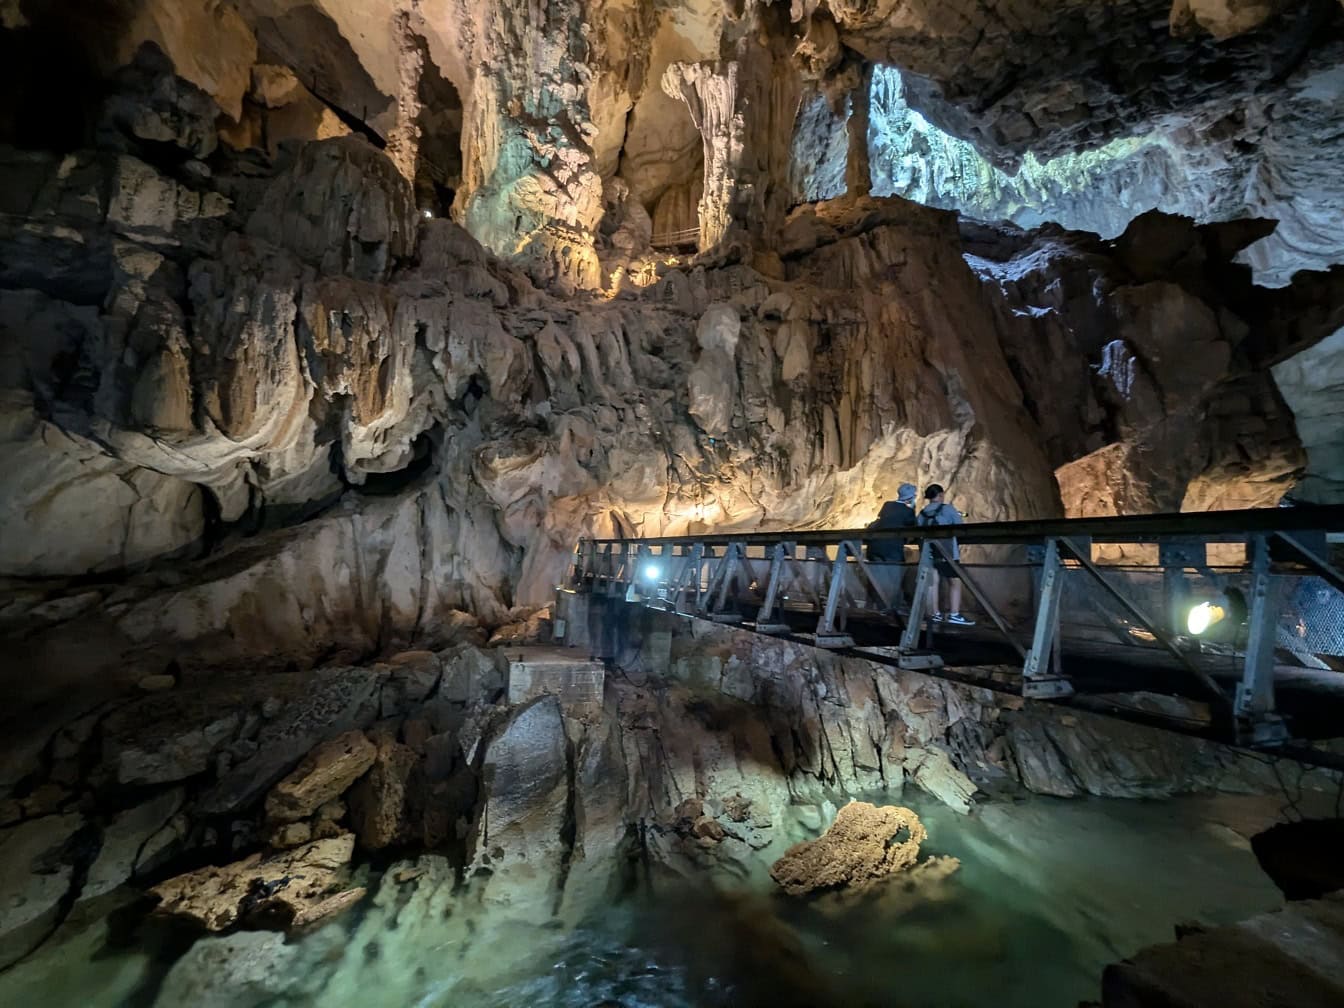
(324, 775)
(377, 804)
(293, 888)
(866, 843)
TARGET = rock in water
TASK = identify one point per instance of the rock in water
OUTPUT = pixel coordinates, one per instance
(864, 844)
(297, 887)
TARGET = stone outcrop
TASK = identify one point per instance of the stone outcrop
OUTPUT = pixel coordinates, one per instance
(294, 887)
(707, 759)
(864, 845)
(1291, 956)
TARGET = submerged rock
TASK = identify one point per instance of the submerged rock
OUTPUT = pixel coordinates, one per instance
(243, 968)
(865, 843)
(295, 888)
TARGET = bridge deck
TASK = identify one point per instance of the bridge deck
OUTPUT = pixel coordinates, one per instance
(1087, 612)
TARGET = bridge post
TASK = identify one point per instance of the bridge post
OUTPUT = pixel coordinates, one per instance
(765, 617)
(1257, 721)
(923, 578)
(1038, 682)
(827, 635)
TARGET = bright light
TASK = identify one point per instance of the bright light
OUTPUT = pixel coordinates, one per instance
(427, 213)
(1203, 616)
(652, 572)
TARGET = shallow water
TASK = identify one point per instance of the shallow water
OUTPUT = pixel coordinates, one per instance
(1048, 892)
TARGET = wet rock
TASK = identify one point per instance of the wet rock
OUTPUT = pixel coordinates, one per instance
(221, 972)
(323, 775)
(866, 843)
(35, 876)
(1293, 956)
(519, 833)
(126, 847)
(292, 888)
(470, 674)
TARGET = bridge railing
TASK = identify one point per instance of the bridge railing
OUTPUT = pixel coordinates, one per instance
(676, 239)
(1264, 580)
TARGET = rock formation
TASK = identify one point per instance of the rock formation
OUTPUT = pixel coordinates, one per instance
(1277, 957)
(864, 845)
(322, 344)
(297, 887)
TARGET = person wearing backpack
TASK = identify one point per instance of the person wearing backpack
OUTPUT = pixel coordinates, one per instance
(936, 511)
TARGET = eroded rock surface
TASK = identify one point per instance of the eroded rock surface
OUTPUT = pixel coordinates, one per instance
(322, 776)
(295, 887)
(865, 844)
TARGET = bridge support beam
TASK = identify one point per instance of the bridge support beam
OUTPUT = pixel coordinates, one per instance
(1040, 672)
(1258, 723)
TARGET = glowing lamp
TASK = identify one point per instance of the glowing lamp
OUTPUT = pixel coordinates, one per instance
(1219, 615)
(652, 572)
(1203, 616)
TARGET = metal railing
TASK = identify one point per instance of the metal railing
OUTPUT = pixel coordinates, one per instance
(1043, 587)
(676, 239)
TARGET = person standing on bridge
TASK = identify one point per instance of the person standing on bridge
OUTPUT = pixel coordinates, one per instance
(899, 513)
(937, 511)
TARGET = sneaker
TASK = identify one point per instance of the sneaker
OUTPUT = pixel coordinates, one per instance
(938, 618)
(957, 619)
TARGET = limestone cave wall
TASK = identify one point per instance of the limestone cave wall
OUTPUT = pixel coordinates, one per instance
(353, 323)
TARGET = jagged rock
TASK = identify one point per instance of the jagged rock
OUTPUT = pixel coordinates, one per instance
(932, 770)
(377, 803)
(324, 775)
(130, 843)
(294, 887)
(317, 705)
(864, 844)
(470, 674)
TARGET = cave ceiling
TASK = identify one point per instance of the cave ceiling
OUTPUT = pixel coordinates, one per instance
(1077, 111)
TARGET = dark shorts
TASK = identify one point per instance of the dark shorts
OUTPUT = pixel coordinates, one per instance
(943, 567)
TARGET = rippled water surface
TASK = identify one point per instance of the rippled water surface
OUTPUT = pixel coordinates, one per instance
(1047, 894)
